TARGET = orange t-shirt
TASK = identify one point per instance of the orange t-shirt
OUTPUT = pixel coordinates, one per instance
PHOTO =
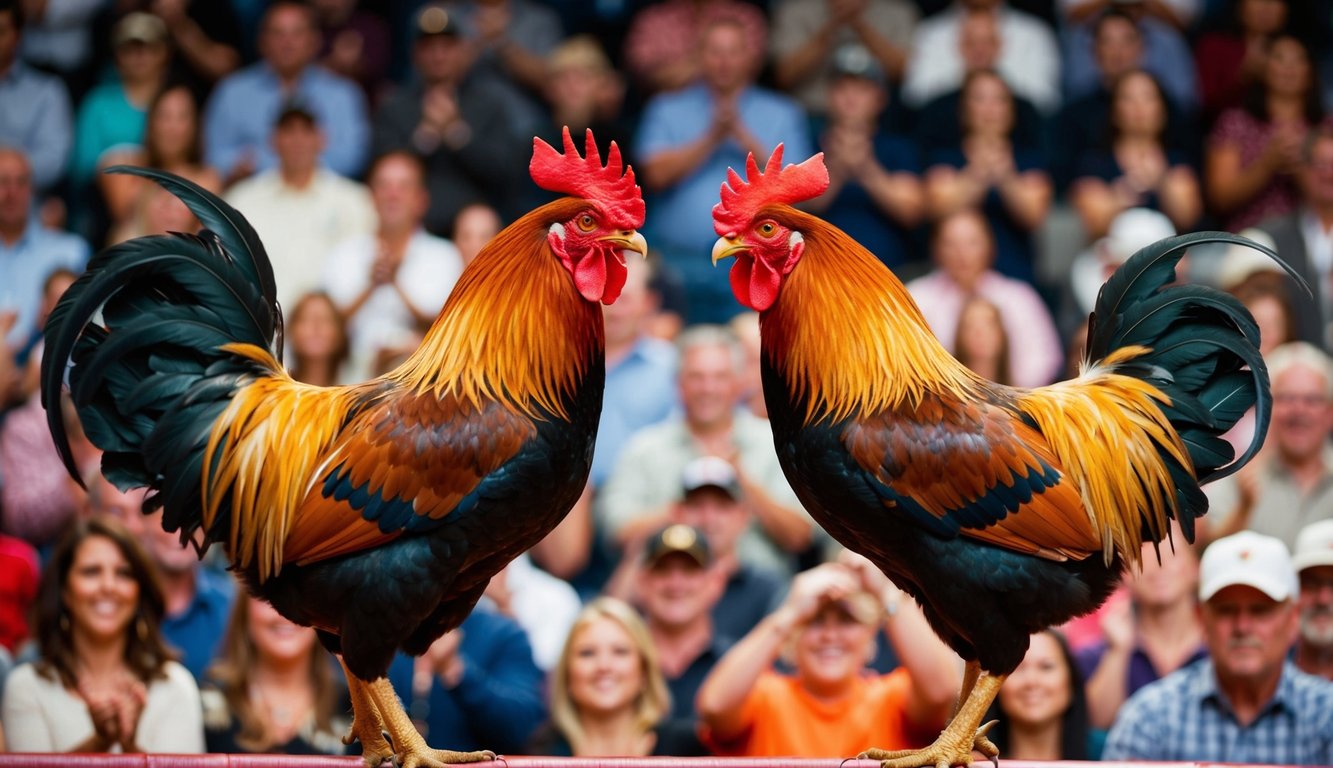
(783, 720)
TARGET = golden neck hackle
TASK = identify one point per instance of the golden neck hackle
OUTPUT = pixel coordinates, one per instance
(486, 346)
(846, 333)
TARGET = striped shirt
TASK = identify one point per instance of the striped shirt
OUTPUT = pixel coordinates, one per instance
(1185, 717)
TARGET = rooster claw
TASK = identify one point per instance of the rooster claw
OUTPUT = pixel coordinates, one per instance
(941, 754)
(440, 758)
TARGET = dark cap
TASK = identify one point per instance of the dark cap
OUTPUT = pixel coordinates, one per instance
(853, 60)
(710, 472)
(295, 110)
(435, 19)
(680, 538)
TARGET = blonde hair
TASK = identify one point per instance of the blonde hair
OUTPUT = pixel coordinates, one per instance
(650, 706)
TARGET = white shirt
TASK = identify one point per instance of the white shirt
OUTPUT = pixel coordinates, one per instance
(1319, 250)
(544, 606)
(41, 715)
(431, 265)
(300, 227)
(1029, 59)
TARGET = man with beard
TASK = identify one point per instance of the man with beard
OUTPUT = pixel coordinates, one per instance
(1314, 562)
(1246, 703)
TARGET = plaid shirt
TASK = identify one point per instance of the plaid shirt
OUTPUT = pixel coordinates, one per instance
(1185, 717)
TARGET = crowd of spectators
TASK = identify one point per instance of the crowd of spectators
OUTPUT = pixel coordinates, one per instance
(1002, 156)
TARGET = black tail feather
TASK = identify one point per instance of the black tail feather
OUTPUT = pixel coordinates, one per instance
(139, 337)
(1204, 355)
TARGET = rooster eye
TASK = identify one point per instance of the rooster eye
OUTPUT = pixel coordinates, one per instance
(586, 223)
(768, 229)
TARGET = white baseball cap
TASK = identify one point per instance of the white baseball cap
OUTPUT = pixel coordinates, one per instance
(1131, 230)
(1314, 545)
(1251, 559)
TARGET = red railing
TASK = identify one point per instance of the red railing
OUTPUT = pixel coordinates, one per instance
(289, 761)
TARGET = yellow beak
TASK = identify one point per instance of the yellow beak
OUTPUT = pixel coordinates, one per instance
(726, 247)
(630, 241)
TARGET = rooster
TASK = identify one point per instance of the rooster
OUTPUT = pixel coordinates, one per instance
(1002, 511)
(375, 513)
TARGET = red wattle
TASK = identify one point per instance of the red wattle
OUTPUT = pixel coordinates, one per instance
(590, 276)
(616, 275)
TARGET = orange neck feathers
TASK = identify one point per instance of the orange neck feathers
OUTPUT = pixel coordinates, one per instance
(515, 329)
(846, 334)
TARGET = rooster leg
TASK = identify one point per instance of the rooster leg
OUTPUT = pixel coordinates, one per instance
(963, 734)
(970, 674)
(367, 727)
(410, 750)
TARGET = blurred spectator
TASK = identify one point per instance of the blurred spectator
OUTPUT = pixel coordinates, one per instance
(829, 707)
(988, 170)
(661, 46)
(1246, 702)
(104, 680)
(639, 494)
(711, 502)
(1165, 54)
(1290, 485)
(27, 357)
(42, 129)
(806, 33)
(317, 334)
(1147, 637)
(511, 40)
(356, 44)
(687, 140)
(1314, 565)
(875, 193)
(746, 327)
(19, 574)
(639, 372)
(608, 697)
(38, 496)
(243, 107)
(458, 122)
(543, 605)
(1179, 14)
(172, 142)
(271, 690)
(1129, 231)
(58, 38)
(964, 254)
(1135, 168)
(113, 115)
(1254, 151)
(1041, 711)
(206, 38)
(676, 589)
(475, 687)
(1264, 288)
(29, 252)
(584, 91)
(936, 124)
(1231, 60)
(301, 209)
(980, 343)
(1304, 236)
(390, 284)
(1028, 58)
(473, 228)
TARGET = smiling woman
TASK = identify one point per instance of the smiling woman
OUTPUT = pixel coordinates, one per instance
(104, 681)
(1041, 710)
(608, 696)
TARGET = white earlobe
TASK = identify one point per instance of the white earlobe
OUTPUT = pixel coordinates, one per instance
(796, 239)
(557, 230)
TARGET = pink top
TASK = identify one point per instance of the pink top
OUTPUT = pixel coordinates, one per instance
(1035, 351)
(1251, 135)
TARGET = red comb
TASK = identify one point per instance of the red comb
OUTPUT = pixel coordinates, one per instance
(614, 194)
(741, 200)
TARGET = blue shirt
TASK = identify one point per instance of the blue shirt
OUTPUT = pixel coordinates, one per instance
(640, 390)
(197, 632)
(240, 115)
(1166, 56)
(25, 266)
(42, 127)
(682, 217)
(1185, 717)
(498, 703)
